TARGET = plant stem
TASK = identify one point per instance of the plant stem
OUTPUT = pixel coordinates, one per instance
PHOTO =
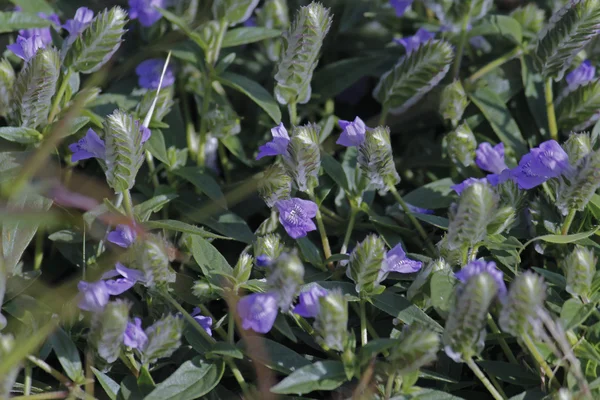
(128, 203)
(539, 359)
(568, 221)
(39, 250)
(461, 47)
(201, 156)
(224, 162)
(89, 374)
(383, 115)
(550, 110)
(190, 132)
(413, 220)
(51, 371)
(59, 95)
(494, 64)
(293, 114)
(479, 374)
(322, 231)
(353, 212)
(507, 351)
(231, 327)
(389, 387)
(363, 323)
(152, 169)
(43, 396)
(27, 381)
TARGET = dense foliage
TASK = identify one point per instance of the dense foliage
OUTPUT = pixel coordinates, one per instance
(363, 199)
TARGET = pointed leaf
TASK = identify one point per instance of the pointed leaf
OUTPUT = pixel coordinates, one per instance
(254, 91)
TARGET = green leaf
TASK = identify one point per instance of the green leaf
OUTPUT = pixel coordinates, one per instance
(153, 205)
(156, 146)
(178, 226)
(399, 307)
(428, 394)
(310, 252)
(575, 313)
(34, 6)
(20, 135)
(434, 220)
(273, 355)
(245, 35)
(233, 11)
(563, 239)
(129, 390)
(235, 146)
(232, 225)
(210, 260)
(13, 21)
(335, 170)
(204, 182)
(499, 117)
(414, 75)
(533, 84)
(499, 25)
(225, 349)
(193, 379)
(441, 290)
(533, 394)
(510, 373)
(375, 347)
(322, 375)
(254, 91)
(433, 195)
(111, 388)
(68, 355)
(579, 109)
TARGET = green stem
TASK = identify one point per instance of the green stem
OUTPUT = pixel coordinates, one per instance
(540, 360)
(39, 250)
(190, 132)
(322, 231)
(231, 327)
(568, 221)
(293, 114)
(487, 68)
(214, 53)
(507, 351)
(364, 338)
(389, 387)
(383, 115)
(479, 374)
(201, 156)
(413, 220)
(43, 396)
(152, 169)
(59, 95)
(461, 47)
(27, 381)
(51, 371)
(128, 203)
(550, 111)
(224, 162)
(353, 212)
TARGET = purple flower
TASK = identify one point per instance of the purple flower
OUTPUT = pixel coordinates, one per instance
(83, 17)
(26, 48)
(479, 266)
(400, 6)
(396, 261)
(44, 33)
(127, 277)
(88, 147)
(547, 161)
(353, 133)
(496, 179)
(134, 335)
(490, 159)
(149, 73)
(258, 311)
(205, 322)
(581, 75)
(145, 11)
(94, 296)
(278, 145)
(250, 22)
(146, 133)
(411, 43)
(296, 216)
(123, 236)
(263, 261)
(418, 210)
(308, 299)
(128, 273)
(458, 188)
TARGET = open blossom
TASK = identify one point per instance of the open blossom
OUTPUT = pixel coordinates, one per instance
(396, 261)
(353, 133)
(296, 216)
(83, 17)
(95, 295)
(547, 161)
(479, 266)
(145, 11)
(400, 6)
(88, 147)
(308, 301)
(258, 311)
(411, 43)
(134, 335)
(581, 75)
(122, 236)
(150, 71)
(459, 187)
(44, 33)
(26, 48)
(490, 159)
(278, 145)
(204, 322)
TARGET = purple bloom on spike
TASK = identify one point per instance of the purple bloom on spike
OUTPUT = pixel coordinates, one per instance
(145, 11)
(44, 33)
(83, 17)
(263, 260)
(296, 216)
(308, 299)
(278, 145)
(400, 6)
(134, 335)
(490, 159)
(496, 179)
(581, 75)
(130, 274)
(26, 48)
(258, 311)
(479, 266)
(547, 161)
(396, 261)
(353, 133)
(458, 188)
(411, 43)
(88, 147)
(146, 132)
(94, 296)
(118, 286)
(205, 322)
(149, 73)
(419, 210)
(123, 236)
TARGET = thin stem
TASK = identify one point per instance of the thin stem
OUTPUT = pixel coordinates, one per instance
(39, 249)
(43, 396)
(507, 351)
(322, 231)
(479, 374)
(27, 381)
(349, 229)
(224, 162)
(152, 168)
(486, 69)
(413, 220)
(539, 359)
(89, 374)
(461, 47)
(383, 115)
(206, 312)
(568, 221)
(59, 95)
(293, 114)
(364, 338)
(190, 132)
(389, 387)
(550, 111)
(128, 203)
(201, 156)
(51, 371)
(231, 327)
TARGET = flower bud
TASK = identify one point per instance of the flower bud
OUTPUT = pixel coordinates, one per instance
(107, 329)
(423, 277)
(575, 191)
(285, 279)
(476, 207)
(580, 267)
(577, 146)
(269, 247)
(7, 343)
(453, 102)
(275, 185)
(164, 337)
(151, 256)
(377, 161)
(303, 43)
(331, 324)
(417, 346)
(303, 160)
(522, 305)
(464, 333)
(460, 145)
(7, 81)
(204, 291)
(365, 265)
(243, 268)
(274, 15)
(531, 17)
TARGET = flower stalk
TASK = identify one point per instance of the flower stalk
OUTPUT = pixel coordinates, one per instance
(550, 110)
